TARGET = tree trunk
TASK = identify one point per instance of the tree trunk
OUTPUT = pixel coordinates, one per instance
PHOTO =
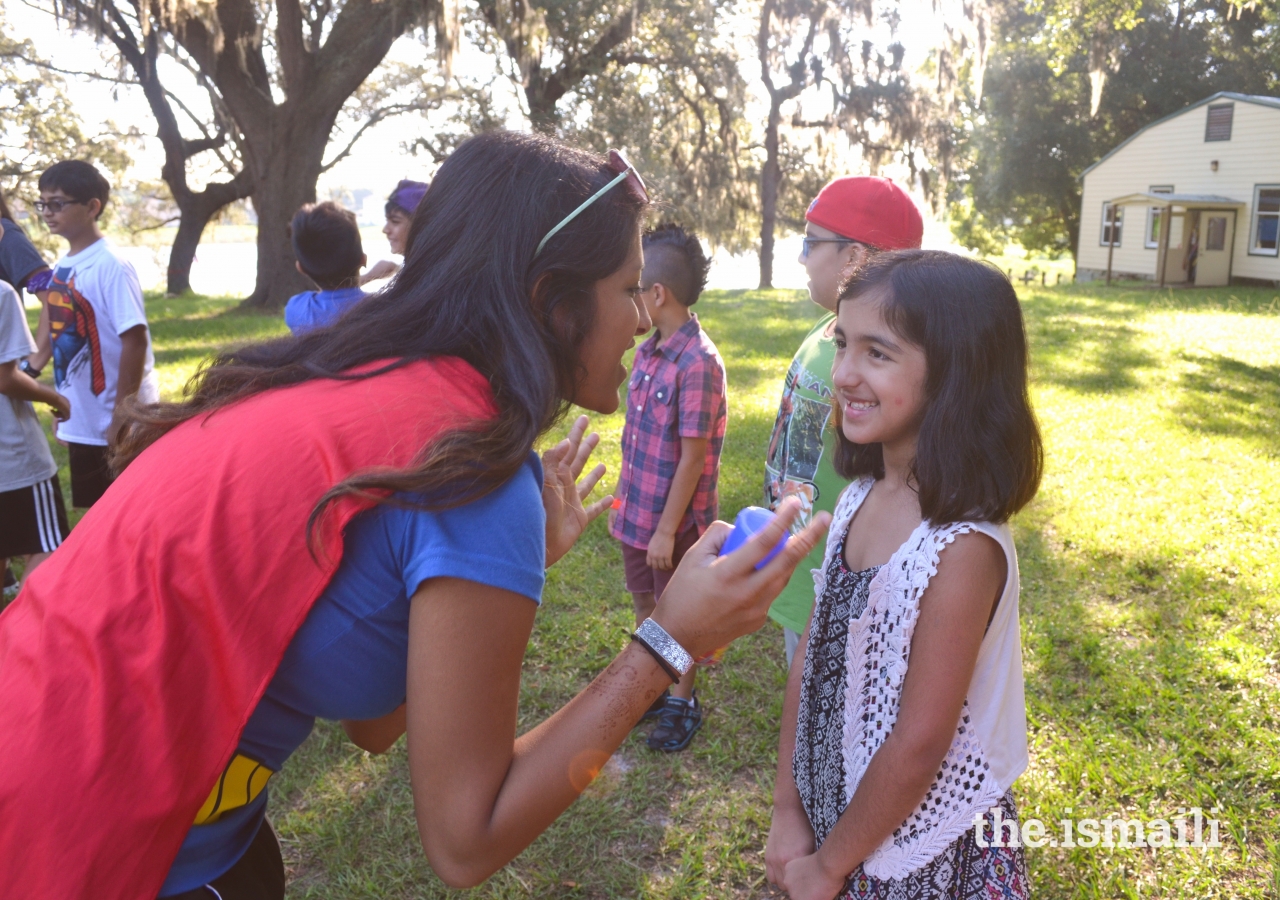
(289, 181)
(183, 252)
(770, 178)
(197, 209)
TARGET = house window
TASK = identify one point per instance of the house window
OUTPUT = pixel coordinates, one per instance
(1216, 233)
(1112, 225)
(1154, 216)
(1265, 237)
(1218, 125)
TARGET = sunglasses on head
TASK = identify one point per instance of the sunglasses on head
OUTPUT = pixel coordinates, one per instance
(619, 164)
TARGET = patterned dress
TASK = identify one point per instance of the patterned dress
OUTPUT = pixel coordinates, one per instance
(964, 871)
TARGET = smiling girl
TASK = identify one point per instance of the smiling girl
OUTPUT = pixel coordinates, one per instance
(904, 716)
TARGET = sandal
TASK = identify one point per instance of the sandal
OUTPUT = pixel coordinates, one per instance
(657, 707)
(678, 723)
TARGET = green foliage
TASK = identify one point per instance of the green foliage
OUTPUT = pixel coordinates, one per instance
(1035, 133)
(41, 127)
(678, 110)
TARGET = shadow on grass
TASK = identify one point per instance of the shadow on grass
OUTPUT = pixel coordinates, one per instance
(1085, 337)
(1136, 668)
(1226, 397)
(1087, 346)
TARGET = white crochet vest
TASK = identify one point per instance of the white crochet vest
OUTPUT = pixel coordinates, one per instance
(989, 750)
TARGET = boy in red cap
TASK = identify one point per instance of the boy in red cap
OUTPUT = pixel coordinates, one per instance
(850, 219)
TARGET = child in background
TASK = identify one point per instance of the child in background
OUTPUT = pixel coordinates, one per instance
(33, 520)
(907, 696)
(97, 325)
(326, 242)
(676, 414)
(849, 221)
(399, 210)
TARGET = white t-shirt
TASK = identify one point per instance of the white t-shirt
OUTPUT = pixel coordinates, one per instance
(93, 299)
(24, 451)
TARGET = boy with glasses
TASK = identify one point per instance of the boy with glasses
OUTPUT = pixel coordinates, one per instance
(97, 323)
(850, 220)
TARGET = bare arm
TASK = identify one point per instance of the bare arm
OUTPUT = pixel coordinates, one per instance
(44, 343)
(693, 459)
(20, 386)
(954, 612)
(133, 360)
(481, 794)
(790, 834)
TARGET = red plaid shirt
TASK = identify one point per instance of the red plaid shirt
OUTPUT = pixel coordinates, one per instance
(677, 390)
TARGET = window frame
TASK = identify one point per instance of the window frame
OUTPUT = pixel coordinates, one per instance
(1116, 225)
(1152, 211)
(1256, 218)
(1230, 124)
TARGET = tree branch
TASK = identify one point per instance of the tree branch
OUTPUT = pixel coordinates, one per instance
(380, 115)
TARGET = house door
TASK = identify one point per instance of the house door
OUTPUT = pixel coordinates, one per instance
(1213, 263)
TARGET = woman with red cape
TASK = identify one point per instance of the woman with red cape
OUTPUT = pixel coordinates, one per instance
(352, 524)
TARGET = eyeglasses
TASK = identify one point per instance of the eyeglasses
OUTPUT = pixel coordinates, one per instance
(626, 172)
(810, 241)
(55, 206)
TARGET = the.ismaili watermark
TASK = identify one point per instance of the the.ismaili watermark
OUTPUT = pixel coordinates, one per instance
(1190, 828)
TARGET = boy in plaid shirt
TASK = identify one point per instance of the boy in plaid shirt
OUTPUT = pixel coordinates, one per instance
(676, 412)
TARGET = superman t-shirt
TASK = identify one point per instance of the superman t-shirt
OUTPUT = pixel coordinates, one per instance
(93, 299)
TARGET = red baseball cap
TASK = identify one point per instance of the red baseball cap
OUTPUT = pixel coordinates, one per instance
(868, 209)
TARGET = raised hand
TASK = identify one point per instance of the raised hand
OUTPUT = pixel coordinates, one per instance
(562, 492)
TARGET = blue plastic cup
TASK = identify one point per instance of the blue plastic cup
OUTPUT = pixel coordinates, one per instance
(749, 521)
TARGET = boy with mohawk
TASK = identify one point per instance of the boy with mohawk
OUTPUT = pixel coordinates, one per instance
(676, 414)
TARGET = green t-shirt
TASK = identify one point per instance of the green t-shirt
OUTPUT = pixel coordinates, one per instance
(799, 459)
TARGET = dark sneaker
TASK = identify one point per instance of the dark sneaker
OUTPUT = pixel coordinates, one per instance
(679, 721)
(658, 706)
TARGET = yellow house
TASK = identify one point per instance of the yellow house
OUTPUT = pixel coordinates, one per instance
(1193, 198)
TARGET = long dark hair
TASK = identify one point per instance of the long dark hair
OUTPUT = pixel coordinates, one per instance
(470, 287)
(979, 454)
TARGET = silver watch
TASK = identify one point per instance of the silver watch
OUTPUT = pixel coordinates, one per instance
(655, 637)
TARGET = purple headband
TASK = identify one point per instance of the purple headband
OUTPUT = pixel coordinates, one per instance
(408, 194)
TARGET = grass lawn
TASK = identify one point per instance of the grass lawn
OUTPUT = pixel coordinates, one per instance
(1149, 607)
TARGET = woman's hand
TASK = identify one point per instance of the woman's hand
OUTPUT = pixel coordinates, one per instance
(562, 493)
(711, 601)
(805, 879)
(790, 837)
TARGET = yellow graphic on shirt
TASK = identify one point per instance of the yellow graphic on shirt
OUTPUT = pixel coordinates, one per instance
(240, 784)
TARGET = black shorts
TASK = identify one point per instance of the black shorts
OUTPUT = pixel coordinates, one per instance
(32, 519)
(259, 875)
(90, 475)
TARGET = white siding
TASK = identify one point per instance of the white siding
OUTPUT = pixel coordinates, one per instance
(1175, 152)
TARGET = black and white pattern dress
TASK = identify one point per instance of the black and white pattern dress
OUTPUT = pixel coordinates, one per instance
(965, 870)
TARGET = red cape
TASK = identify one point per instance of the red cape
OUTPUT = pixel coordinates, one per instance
(134, 656)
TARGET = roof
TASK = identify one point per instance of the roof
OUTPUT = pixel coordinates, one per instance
(1189, 201)
(1259, 99)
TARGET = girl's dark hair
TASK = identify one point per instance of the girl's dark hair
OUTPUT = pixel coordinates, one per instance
(979, 455)
(4, 210)
(470, 287)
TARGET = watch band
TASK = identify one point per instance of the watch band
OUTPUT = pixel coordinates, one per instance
(29, 369)
(665, 649)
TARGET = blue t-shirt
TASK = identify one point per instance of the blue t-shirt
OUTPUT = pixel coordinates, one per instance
(316, 309)
(349, 659)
